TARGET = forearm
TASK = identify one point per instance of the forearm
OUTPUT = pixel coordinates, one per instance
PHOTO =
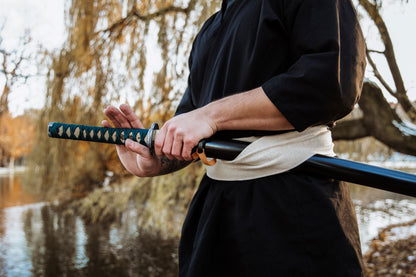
(168, 166)
(251, 110)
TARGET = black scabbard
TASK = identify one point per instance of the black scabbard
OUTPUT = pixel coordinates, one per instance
(335, 168)
(331, 167)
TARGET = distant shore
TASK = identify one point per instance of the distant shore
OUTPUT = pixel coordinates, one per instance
(4, 171)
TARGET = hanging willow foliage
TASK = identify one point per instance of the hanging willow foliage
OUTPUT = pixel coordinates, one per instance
(116, 51)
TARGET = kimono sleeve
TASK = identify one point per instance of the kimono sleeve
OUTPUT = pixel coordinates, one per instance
(324, 81)
(186, 103)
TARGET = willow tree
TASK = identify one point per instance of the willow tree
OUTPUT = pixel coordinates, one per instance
(136, 51)
(394, 126)
(14, 70)
(116, 51)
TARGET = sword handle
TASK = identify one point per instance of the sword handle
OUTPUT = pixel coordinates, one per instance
(100, 134)
(220, 149)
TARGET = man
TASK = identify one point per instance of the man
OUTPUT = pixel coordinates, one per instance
(282, 71)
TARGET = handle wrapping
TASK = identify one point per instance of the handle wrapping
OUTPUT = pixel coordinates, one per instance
(96, 134)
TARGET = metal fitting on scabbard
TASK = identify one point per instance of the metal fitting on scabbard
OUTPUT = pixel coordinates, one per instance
(200, 153)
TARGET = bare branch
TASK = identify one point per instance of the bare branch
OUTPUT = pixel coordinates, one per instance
(378, 75)
(380, 121)
(350, 130)
(11, 69)
(373, 10)
(144, 17)
(376, 51)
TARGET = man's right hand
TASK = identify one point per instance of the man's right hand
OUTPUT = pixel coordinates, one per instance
(135, 157)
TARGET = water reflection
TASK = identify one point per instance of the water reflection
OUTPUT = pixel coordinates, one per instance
(12, 194)
(2, 254)
(377, 209)
(41, 241)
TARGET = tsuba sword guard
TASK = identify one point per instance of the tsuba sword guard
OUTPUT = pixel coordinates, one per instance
(151, 136)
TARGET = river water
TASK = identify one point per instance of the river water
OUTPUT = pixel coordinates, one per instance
(36, 240)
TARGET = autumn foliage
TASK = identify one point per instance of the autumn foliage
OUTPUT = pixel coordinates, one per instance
(132, 52)
(16, 138)
(136, 52)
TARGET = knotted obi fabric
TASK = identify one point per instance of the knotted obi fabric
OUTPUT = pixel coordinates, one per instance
(269, 155)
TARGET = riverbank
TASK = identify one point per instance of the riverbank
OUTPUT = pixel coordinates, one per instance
(393, 251)
(41, 240)
(4, 171)
(111, 224)
(33, 244)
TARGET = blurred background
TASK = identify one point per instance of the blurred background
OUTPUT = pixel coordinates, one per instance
(70, 209)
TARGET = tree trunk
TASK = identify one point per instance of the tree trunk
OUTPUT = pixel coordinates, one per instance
(11, 164)
(380, 121)
(400, 93)
(4, 103)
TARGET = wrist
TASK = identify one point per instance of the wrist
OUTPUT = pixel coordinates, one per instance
(209, 115)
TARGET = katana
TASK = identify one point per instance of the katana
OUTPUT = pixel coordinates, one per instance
(331, 167)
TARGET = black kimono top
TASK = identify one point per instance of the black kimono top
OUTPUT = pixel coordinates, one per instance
(307, 55)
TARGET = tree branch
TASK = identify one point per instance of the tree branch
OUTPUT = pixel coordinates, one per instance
(11, 71)
(144, 17)
(378, 75)
(376, 51)
(350, 130)
(373, 11)
(380, 121)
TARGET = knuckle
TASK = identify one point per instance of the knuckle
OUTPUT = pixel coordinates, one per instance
(158, 144)
(171, 128)
(176, 153)
(190, 141)
(166, 150)
(186, 152)
(180, 132)
(187, 156)
(170, 157)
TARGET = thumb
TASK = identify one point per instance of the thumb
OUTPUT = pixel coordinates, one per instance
(138, 148)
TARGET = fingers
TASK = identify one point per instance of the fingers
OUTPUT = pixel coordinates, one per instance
(106, 124)
(116, 117)
(176, 138)
(138, 148)
(188, 145)
(123, 117)
(177, 148)
(171, 142)
(131, 116)
(159, 141)
(167, 147)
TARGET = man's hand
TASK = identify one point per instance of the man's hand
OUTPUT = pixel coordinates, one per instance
(181, 134)
(251, 110)
(135, 157)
